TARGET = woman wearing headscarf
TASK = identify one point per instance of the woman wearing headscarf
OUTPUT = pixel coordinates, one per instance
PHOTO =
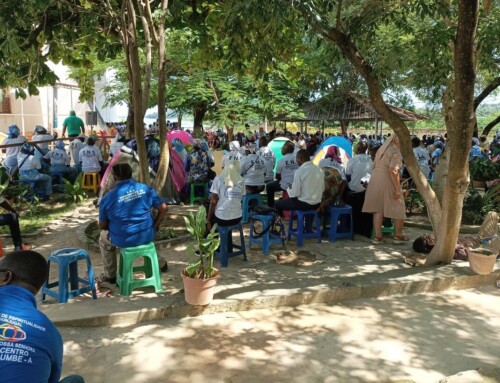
(233, 154)
(28, 170)
(335, 178)
(180, 148)
(59, 162)
(10, 161)
(253, 169)
(384, 197)
(227, 191)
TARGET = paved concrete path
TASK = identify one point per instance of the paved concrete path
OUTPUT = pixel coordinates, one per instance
(422, 338)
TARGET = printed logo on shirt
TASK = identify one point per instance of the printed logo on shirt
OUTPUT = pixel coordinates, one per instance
(12, 348)
(11, 333)
(233, 193)
(131, 195)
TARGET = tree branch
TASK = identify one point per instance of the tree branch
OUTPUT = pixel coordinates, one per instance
(491, 125)
(495, 83)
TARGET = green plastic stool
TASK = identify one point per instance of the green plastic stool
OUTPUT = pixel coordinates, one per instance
(193, 198)
(386, 230)
(125, 277)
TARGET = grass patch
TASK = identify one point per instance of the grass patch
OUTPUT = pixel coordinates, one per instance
(34, 218)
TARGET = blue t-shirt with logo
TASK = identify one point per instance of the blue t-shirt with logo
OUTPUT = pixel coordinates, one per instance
(31, 347)
(127, 208)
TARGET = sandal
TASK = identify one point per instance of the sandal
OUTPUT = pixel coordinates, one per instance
(378, 241)
(402, 239)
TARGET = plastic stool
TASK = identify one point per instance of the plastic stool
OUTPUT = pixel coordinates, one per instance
(125, 276)
(224, 252)
(246, 204)
(298, 232)
(67, 259)
(192, 197)
(386, 229)
(341, 224)
(267, 239)
(91, 181)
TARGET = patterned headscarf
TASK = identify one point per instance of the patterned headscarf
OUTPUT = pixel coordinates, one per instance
(13, 131)
(333, 152)
(27, 149)
(178, 145)
(40, 130)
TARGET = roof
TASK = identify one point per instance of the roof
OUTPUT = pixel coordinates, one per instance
(351, 108)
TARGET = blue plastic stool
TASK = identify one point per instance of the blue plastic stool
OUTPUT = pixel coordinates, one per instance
(224, 252)
(246, 203)
(267, 239)
(67, 259)
(341, 224)
(298, 232)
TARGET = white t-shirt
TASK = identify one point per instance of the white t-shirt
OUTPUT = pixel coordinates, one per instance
(231, 156)
(74, 150)
(308, 184)
(44, 147)
(90, 157)
(14, 150)
(330, 163)
(358, 167)
(423, 159)
(287, 167)
(253, 168)
(57, 157)
(229, 205)
(114, 147)
(29, 164)
(269, 160)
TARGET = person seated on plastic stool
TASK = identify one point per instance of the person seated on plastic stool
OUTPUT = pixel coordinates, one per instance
(29, 167)
(90, 158)
(286, 168)
(41, 149)
(307, 187)
(125, 218)
(253, 168)
(12, 220)
(38, 352)
(227, 191)
(10, 162)
(59, 162)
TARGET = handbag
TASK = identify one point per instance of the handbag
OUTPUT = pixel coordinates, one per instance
(275, 227)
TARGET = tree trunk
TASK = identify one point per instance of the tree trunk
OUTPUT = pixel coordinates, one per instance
(459, 133)
(199, 112)
(343, 126)
(230, 133)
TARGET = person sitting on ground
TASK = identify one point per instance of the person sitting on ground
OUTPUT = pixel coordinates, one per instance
(125, 218)
(59, 162)
(253, 169)
(10, 161)
(227, 191)
(35, 353)
(307, 188)
(41, 149)
(74, 124)
(335, 179)
(12, 220)
(74, 151)
(234, 153)
(359, 169)
(29, 167)
(285, 170)
(422, 156)
(269, 158)
(91, 158)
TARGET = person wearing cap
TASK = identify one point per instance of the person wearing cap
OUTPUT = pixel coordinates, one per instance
(32, 349)
(253, 169)
(90, 158)
(73, 124)
(60, 162)
(10, 161)
(74, 151)
(29, 167)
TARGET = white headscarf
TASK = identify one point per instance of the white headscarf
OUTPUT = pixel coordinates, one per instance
(231, 173)
(234, 146)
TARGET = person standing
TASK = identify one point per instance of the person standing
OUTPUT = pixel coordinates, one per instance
(73, 124)
(384, 197)
(74, 151)
(125, 217)
(269, 158)
(36, 354)
(422, 156)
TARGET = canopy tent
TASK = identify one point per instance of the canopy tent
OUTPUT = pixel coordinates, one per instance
(185, 137)
(276, 145)
(339, 141)
(321, 153)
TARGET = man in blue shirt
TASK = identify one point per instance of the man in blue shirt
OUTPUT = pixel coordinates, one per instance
(125, 217)
(31, 348)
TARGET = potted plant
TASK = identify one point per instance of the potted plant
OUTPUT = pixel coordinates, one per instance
(200, 277)
(482, 169)
(482, 260)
